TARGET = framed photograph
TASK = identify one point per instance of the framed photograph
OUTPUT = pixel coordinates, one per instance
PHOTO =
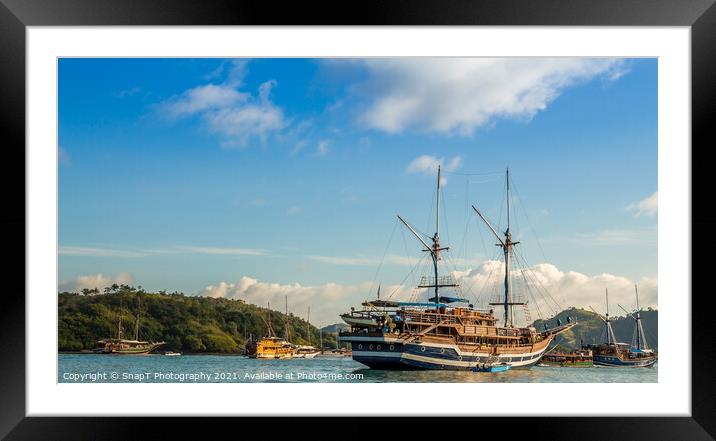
(471, 215)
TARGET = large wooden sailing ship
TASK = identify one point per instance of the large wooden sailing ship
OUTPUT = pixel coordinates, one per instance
(445, 332)
(615, 354)
(122, 346)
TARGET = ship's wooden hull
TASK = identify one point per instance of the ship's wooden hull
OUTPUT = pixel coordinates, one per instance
(612, 360)
(113, 349)
(393, 352)
(271, 356)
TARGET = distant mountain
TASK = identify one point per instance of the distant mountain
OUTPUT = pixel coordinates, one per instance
(332, 329)
(591, 329)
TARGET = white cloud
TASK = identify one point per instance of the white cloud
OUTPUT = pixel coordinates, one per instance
(224, 251)
(201, 98)
(100, 252)
(568, 288)
(326, 301)
(139, 252)
(458, 95)
(389, 259)
(294, 211)
(98, 281)
(235, 115)
(614, 237)
(131, 91)
(324, 147)
(648, 206)
(428, 165)
(329, 300)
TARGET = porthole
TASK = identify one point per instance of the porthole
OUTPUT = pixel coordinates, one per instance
(378, 347)
(360, 346)
(392, 347)
(459, 357)
(370, 347)
(422, 348)
(442, 350)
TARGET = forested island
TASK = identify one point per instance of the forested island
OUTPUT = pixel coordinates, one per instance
(195, 324)
(186, 323)
(590, 328)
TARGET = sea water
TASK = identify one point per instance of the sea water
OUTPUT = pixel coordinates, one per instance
(157, 368)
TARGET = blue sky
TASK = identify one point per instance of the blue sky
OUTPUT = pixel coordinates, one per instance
(261, 178)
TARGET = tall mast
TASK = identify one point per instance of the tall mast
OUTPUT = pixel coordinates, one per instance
(287, 333)
(119, 325)
(270, 330)
(506, 248)
(611, 338)
(506, 245)
(436, 240)
(640, 337)
(609, 328)
(136, 324)
(308, 325)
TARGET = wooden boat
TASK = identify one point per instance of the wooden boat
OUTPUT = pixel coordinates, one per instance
(121, 346)
(438, 334)
(271, 347)
(615, 354)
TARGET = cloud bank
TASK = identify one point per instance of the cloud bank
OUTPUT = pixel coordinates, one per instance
(568, 288)
(98, 281)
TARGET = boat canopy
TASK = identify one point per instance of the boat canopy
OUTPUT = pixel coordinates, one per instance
(449, 299)
(394, 304)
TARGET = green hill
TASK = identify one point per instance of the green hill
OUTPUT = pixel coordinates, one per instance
(187, 323)
(336, 327)
(590, 328)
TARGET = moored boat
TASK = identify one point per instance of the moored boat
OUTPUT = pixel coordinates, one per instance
(616, 354)
(271, 346)
(305, 351)
(122, 346)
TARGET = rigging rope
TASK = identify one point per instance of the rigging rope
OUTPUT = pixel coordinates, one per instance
(385, 252)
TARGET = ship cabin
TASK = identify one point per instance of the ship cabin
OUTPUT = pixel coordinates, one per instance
(437, 321)
(578, 357)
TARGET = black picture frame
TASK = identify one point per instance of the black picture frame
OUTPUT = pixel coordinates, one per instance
(16, 15)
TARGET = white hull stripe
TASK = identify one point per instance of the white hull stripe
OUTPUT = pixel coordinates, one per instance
(398, 356)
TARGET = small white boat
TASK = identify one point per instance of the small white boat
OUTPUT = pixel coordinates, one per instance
(364, 319)
(172, 354)
(305, 351)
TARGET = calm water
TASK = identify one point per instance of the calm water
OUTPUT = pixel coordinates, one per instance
(88, 368)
